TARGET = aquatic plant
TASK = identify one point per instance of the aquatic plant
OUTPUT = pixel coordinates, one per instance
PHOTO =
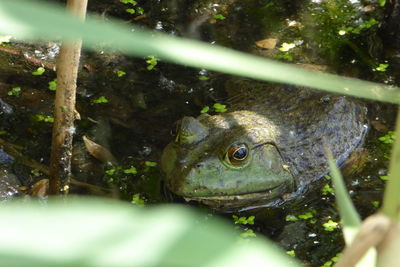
(39, 71)
(16, 91)
(53, 85)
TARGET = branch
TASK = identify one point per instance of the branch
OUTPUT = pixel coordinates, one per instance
(64, 106)
(28, 58)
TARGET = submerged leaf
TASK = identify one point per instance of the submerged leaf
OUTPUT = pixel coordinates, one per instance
(99, 152)
(268, 43)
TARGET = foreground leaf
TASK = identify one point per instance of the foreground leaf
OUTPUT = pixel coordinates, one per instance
(99, 232)
(350, 219)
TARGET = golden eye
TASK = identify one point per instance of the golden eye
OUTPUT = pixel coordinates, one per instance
(236, 154)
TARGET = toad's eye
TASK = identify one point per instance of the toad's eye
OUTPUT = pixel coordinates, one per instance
(236, 154)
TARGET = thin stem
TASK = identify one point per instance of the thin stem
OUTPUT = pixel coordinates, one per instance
(391, 198)
(64, 106)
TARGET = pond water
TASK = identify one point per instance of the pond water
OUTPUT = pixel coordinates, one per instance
(130, 105)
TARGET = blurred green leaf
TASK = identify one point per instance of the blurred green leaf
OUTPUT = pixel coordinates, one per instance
(29, 20)
(348, 213)
(101, 232)
(351, 221)
(391, 197)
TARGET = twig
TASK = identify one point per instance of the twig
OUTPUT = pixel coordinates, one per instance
(24, 160)
(64, 106)
(12, 151)
(28, 58)
(372, 232)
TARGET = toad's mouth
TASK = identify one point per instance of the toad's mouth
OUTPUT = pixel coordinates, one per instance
(273, 192)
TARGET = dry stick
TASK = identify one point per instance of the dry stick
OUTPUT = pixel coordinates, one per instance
(12, 151)
(28, 58)
(24, 160)
(64, 106)
(371, 233)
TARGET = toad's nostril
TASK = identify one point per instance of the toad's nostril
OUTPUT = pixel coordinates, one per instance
(199, 165)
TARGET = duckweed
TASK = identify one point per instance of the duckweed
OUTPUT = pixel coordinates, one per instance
(111, 171)
(306, 215)
(286, 47)
(53, 85)
(330, 225)
(131, 170)
(132, 2)
(16, 91)
(152, 62)
(219, 17)
(39, 71)
(327, 189)
(291, 218)
(332, 261)
(203, 78)
(100, 100)
(384, 177)
(205, 109)
(248, 233)
(388, 138)
(120, 73)
(243, 220)
(36, 172)
(375, 203)
(382, 67)
(139, 10)
(291, 253)
(44, 118)
(137, 200)
(219, 107)
(284, 56)
(150, 163)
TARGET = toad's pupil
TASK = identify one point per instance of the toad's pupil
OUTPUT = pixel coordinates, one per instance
(240, 153)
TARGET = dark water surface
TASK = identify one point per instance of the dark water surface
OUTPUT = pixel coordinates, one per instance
(143, 104)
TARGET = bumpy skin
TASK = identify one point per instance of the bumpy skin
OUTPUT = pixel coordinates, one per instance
(285, 129)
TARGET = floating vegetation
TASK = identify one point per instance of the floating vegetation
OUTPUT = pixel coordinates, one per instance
(16, 91)
(39, 71)
(100, 100)
(120, 73)
(137, 200)
(152, 62)
(330, 226)
(53, 85)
